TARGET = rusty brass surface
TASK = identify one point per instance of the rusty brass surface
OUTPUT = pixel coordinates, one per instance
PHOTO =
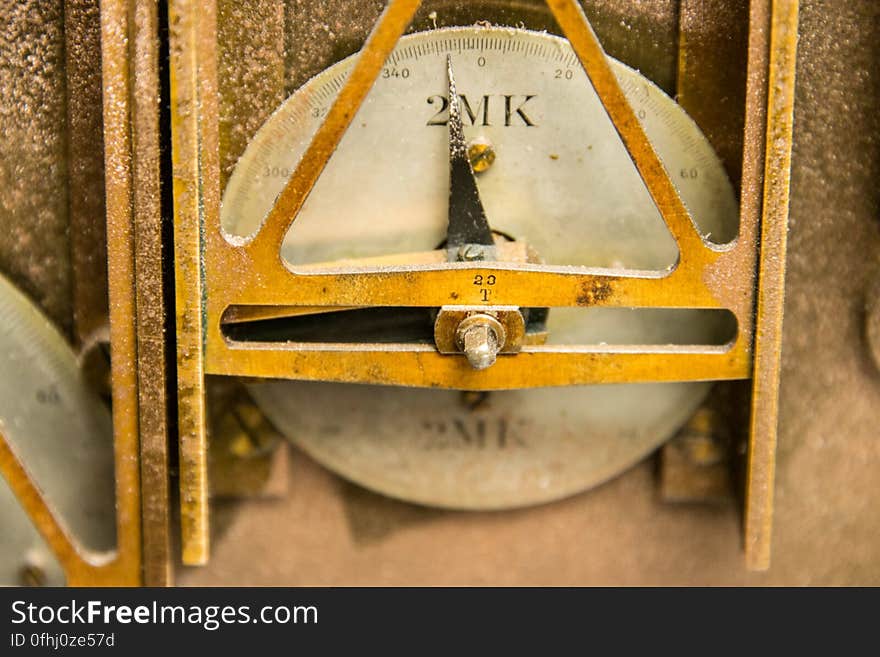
(709, 565)
(771, 284)
(123, 566)
(196, 180)
(826, 525)
(253, 274)
(146, 215)
(123, 104)
(214, 274)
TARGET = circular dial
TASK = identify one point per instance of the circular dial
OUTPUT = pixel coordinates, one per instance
(60, 430)
(562, 182)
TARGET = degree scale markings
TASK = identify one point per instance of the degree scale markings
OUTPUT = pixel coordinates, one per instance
(381, 441)
(509, 44)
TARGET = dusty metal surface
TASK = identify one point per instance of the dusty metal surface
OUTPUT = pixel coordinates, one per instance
(826, 525)
(122, 566)
(250, 54)
(85, 180)
(828, 458)
(252, 272)
(760, 477)
(641, 32)
(711, 81)
(196, 180)
(34, 245)
(149, 281)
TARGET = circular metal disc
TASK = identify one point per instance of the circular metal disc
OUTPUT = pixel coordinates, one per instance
(563, 182)
(62, 433)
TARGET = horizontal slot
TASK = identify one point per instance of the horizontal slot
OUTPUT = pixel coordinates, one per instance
(415, 325)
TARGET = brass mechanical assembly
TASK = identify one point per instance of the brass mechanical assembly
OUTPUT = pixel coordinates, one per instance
(473, 259)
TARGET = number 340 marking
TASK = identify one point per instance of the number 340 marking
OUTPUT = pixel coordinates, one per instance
(485, 283)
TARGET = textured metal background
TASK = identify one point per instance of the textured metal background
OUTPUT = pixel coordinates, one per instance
(329, 532)
(827, 524)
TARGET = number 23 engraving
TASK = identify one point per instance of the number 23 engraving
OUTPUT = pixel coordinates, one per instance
(485, 283)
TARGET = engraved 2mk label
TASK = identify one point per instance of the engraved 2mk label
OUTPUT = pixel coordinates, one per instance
(475, 433)
(492, 109)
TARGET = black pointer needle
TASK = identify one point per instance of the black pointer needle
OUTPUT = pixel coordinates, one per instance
(467, 218)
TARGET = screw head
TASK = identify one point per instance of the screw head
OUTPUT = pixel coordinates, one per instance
(480, 337)
(471, 252)
(481, 154)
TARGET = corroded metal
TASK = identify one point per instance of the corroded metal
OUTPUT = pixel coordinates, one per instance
(216, 275)
(771, 284)
(85, 176)
(253, 274)
(124, 565)
(117, 81)
(196, 184)
(146, 216)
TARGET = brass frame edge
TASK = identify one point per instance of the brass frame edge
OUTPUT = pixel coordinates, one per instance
(195, 170)
(771, 284)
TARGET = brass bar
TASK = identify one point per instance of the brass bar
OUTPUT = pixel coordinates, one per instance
(120, 266)
(195, 167)
(580, 34)
(387, 31)
(771, 284)
(523, 286)
(242, 314)
(150, 304)
(507, 252)
(423, 366)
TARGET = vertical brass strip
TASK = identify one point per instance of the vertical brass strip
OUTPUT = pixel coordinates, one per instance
(150, 307)
(771, 283)
(195, 168)
(121, 270)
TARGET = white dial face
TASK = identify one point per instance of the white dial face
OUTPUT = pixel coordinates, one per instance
(562, 182)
